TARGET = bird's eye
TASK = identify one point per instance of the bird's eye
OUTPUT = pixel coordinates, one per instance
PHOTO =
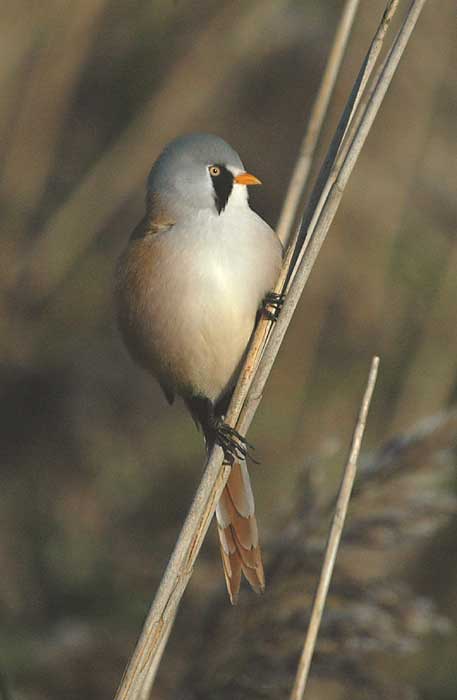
(214, 170)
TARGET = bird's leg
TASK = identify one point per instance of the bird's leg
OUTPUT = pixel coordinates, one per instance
(275, 301)
(234, 445)
(217, 432)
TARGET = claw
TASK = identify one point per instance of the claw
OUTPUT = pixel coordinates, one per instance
(274, 300)
(234, 445)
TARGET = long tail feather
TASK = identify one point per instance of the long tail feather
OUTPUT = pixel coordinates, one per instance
(238, 535)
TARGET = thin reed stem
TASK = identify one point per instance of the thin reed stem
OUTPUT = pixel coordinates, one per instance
(290, 212)
(334, 537)
(329, 209)
(332, 163)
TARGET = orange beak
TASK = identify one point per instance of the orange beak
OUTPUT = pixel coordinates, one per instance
(246, 179)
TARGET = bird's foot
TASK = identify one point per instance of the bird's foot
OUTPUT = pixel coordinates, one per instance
(234, 445)
(272, 305)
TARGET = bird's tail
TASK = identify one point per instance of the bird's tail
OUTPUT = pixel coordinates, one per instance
(238, 535)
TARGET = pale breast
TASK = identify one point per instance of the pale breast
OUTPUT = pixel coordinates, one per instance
(188, 303)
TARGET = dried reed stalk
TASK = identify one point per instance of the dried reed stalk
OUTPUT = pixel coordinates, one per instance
(334, 537)
(344, 135)
(316, 233)
(179, 569)
(293, 202)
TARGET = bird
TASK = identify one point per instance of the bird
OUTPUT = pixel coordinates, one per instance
(196, 274)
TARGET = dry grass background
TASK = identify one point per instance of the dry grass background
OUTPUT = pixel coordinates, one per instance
(97, 471)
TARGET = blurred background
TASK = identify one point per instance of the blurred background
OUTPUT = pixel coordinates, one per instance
(97, 470)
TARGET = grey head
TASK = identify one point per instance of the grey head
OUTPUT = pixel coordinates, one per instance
(195, 172)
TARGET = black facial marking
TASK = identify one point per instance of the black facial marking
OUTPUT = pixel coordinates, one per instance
(223, 185)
